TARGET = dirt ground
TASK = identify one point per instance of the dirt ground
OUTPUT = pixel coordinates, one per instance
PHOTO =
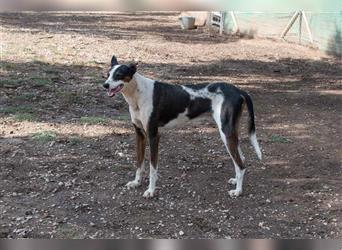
(67, 150)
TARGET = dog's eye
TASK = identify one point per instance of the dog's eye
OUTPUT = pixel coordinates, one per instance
(118, 76)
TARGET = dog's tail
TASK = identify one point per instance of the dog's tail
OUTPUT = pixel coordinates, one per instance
(251, 124)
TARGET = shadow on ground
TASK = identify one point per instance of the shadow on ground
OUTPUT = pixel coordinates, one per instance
(108, 25)
(76, 90)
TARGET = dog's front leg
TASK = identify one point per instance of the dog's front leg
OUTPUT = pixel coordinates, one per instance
(153, 137)
(140, 147)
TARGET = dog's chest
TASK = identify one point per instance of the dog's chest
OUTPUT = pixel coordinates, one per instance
(140, 112)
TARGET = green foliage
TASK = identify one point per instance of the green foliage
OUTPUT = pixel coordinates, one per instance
(40, 82)
(69, 97)
(24, 117)
(24, 97)
(17, 109)
(93, 120)
(122, 117)
(74, 140)
(9, 83)
(44, 136)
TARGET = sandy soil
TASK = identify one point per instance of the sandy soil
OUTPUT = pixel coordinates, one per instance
(67, 150)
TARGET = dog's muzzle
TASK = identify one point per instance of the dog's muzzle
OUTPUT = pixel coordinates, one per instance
(112, 92)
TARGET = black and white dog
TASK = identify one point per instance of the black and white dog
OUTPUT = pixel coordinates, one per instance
(154, 104)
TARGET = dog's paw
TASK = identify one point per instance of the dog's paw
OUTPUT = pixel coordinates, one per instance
(232, 181)
(133, 184)
(235, 193)
(148, 193)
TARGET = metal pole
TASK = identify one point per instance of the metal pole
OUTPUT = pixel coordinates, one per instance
(236, 26)
(300, 28)
(307, 27)
(209, 21)
(289, 25)
(221, 22)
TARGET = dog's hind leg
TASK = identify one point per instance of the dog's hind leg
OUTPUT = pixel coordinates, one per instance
(240, 169)
(233, 180)
(231, 142)
(140, 148)
(153, 136)
(227, 117)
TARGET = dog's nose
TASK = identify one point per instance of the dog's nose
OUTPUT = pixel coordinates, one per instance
(106, 85)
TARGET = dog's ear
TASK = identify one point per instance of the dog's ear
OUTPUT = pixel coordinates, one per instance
(133, 67)
(114, 61)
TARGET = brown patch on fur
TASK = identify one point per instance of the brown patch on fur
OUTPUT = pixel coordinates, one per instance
(154, 144)
(127, 79)
(233, 143)
(130, 89)
(141, 145)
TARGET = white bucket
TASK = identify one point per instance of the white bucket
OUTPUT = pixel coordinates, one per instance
(187, 22)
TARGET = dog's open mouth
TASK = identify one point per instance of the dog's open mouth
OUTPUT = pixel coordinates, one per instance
(112, 92)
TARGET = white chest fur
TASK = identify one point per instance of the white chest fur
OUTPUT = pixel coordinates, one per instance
(139, 96)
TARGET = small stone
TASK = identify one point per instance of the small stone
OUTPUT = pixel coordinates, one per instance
(181, 233)
(28, 212)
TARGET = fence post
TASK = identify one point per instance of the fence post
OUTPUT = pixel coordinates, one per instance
(289, 25)
(300, 28)
(307, 27)
(236, 26)
(222, 16)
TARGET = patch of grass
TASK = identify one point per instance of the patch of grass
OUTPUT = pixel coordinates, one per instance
(122, 117)
(40, 82)
(24, 97)
(7, 66)
(52, 72)
(24, 117)
(9, 83)
(17, 109)
(44, 136)
(93, 120)
(279, 139)
(74, 140)
(69, 97)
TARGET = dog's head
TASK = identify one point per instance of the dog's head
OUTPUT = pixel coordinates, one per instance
(118, 76)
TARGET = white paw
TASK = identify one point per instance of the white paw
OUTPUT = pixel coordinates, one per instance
(232, 181)
(149, 193)
(132, 184)
(235, 193)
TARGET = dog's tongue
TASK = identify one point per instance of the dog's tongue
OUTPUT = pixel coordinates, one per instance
(112, 92)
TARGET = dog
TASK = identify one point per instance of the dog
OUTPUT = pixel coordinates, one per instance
(154, 104)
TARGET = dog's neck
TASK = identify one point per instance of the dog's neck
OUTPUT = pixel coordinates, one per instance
(131, 89)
